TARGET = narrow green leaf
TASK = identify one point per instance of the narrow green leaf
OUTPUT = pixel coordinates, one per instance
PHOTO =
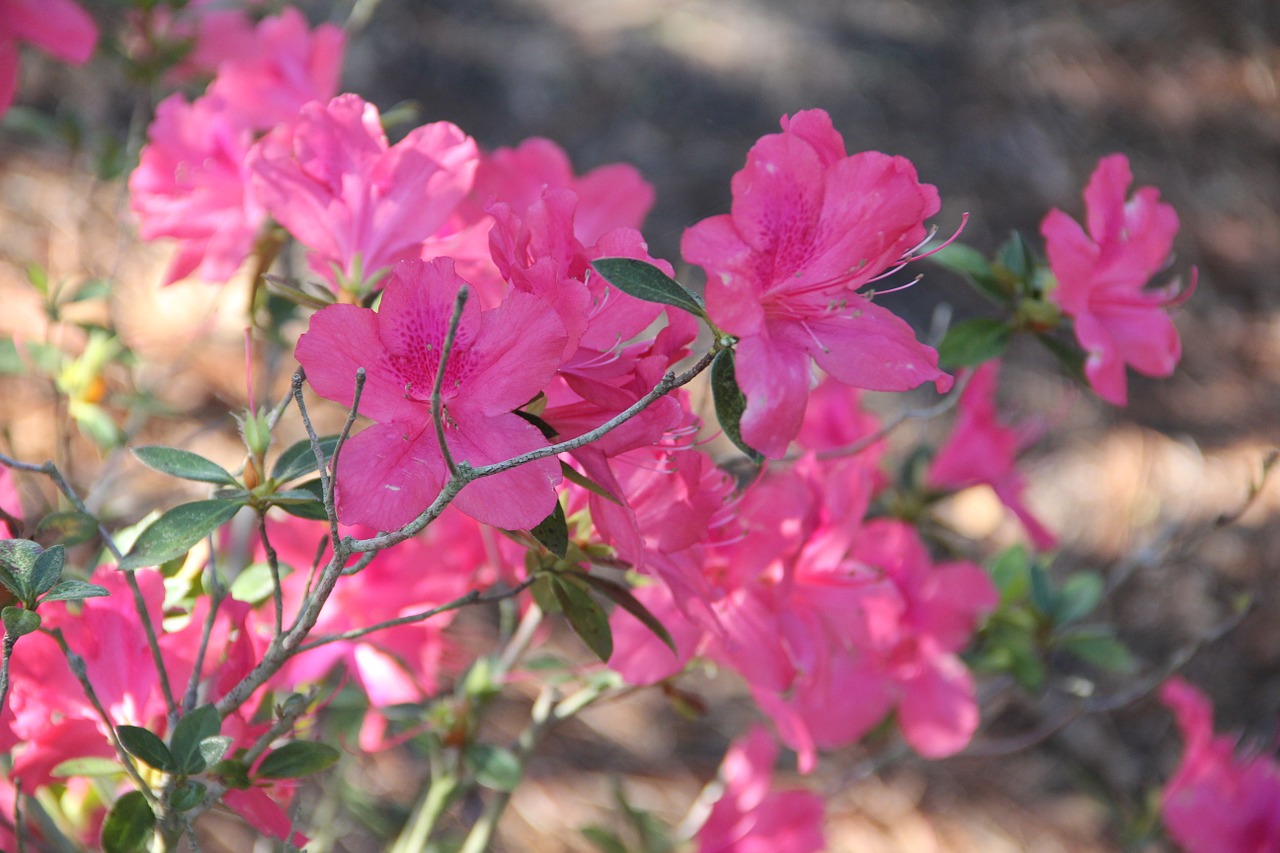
(48, 569)
(72, 589)
(89, 765)
(604, 840)
(299, 459)
(187, 795)
(1017, 256)
(1043, 595)
(730, 402)
(297, 758)
(495, 767)
(19, 622)
(645, 281)
(173, 533)
(962, 259)
(69, 527)
(146, 746)
(202, 722)
(553, 532)
(312, 510)
(573, 475)
(183, 464)
(623, 597)
(129, 824)
(1011, 574)
(1099, 647)
(586, 617)
(96, 423)
(94, 288)
(972, 342)
(1078, 598)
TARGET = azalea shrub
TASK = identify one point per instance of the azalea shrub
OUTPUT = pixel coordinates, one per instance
(511, 372)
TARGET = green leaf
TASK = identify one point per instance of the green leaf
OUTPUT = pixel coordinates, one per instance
(730, 402)
(96, 423)
(972, 342)
(573, 475)
(89, 765)
(72, 589)
(623, 597)
(1011, 574)
(48, 569)
(187, 795)
(553, 532)
(19, 622)
(299, 459)
(1043, 595)
(202, 722)
(495, 767)
(1099, 647)
(254, 584)
(146, 746)
(233, 773)
(962, 259)
(586, 617)
(17, 566)
(292, 496)
(645, 281)
(1078, 597)
(213, 748)
(1017, 256)
(1068, 355)
(543, 594)
(10, 361)
(174, 533)
(94, 288)
(183, 464)
(129, 824)
(605, 840)
(69, 527)
(297, 758)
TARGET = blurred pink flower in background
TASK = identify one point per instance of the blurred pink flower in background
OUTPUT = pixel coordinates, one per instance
(1102, 275)
(751, 817)
(60, 28)
(1217, 802)
(983, 450)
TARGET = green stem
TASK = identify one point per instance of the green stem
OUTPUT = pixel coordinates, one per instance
(417, 833)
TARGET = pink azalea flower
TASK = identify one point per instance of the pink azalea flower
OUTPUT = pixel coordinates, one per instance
(501, 359)
(751, 817)
(981, 449)
(190, 185)
(286, 65)
(809, 226)
(356, 202)
(60, 28)
(1217, 802)
(1102, 275)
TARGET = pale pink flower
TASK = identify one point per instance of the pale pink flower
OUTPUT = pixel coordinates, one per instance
(1102, 275)
(809, 226)
(983, 450)
(752, 817)
(357, 203)
(60, 28)
(287, 64)
(501, 359)
(190, 185)
(1217, 802)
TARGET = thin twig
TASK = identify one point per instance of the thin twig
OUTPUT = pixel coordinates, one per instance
(273, 563)
(216, 594)
(466, 473)
(473, 597)
(331, 491)
(277, 411)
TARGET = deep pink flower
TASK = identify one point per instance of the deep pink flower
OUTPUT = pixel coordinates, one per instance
(751, 817)
(286, 65)
(501, 359)
(60, 28)
(357, 203)
(981, 449)
(809, 226)
(190, 185)
(1217, 802)
(1102, 275)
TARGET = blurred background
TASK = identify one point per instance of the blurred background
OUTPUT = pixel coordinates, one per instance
(1005, 107)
